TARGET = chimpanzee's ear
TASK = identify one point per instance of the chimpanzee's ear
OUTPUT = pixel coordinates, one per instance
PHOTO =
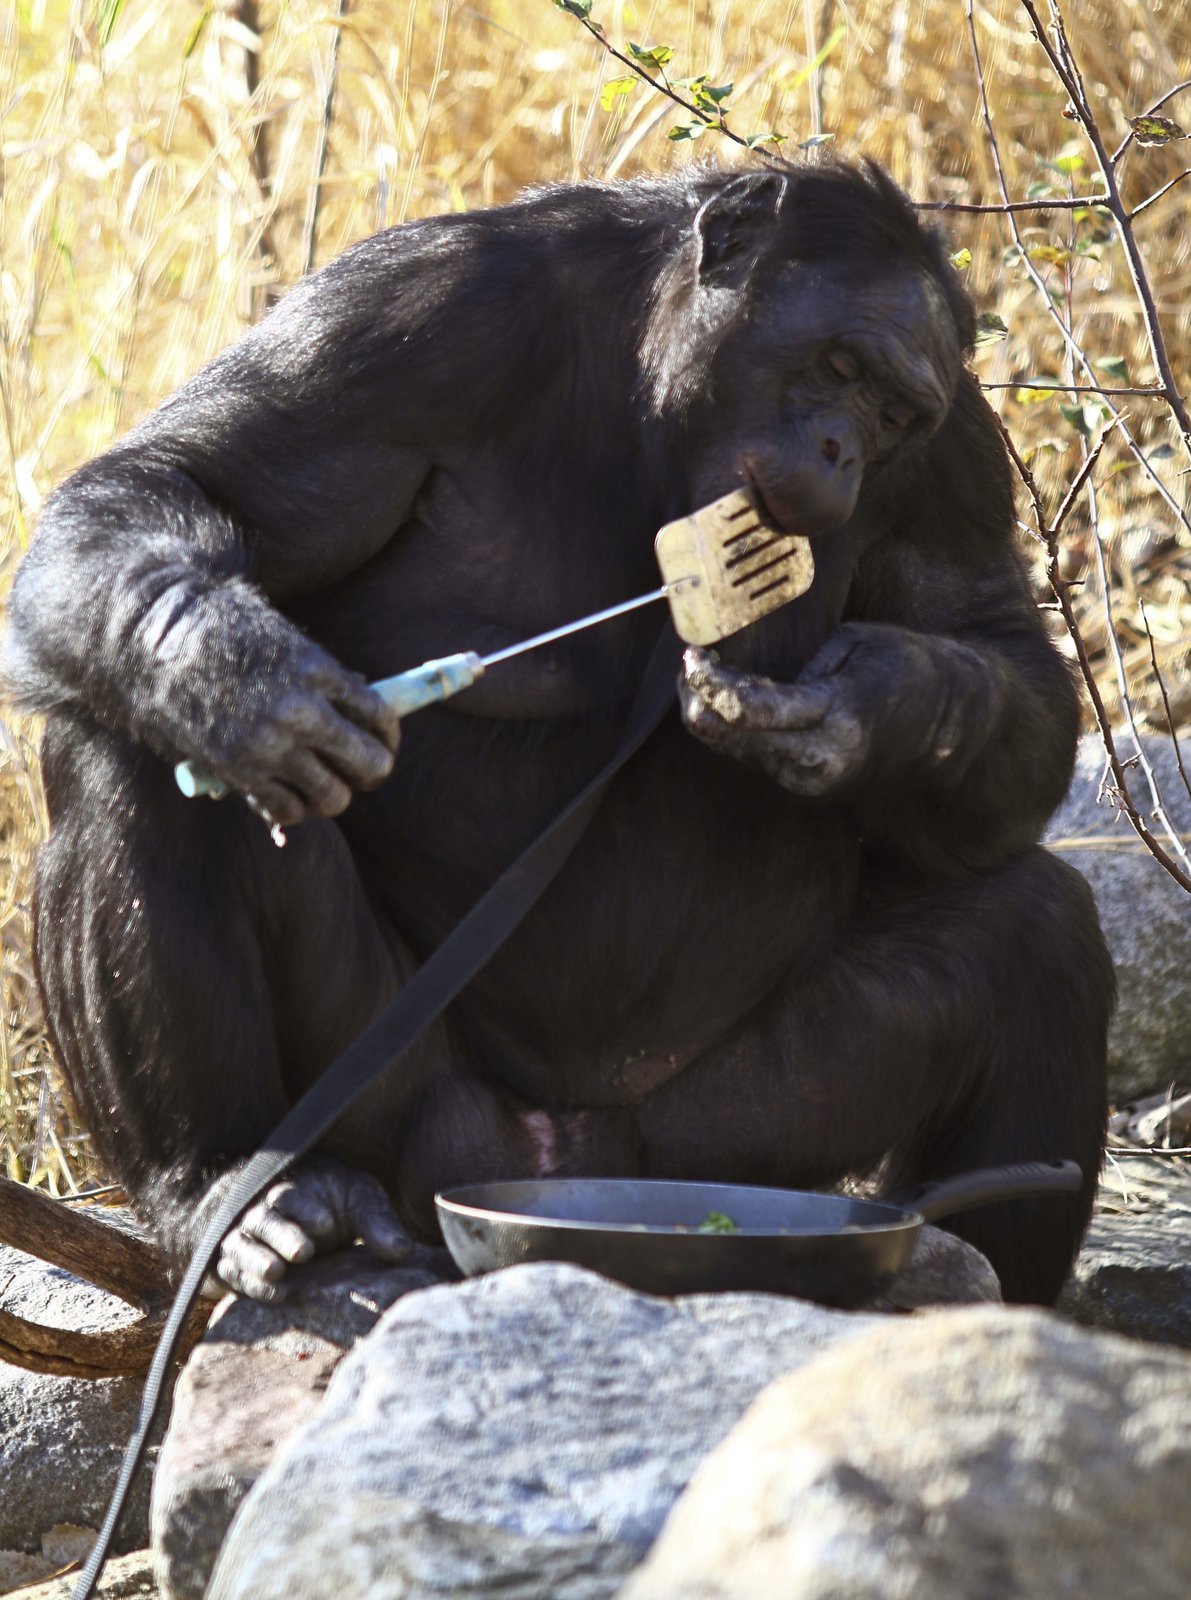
(731, 227)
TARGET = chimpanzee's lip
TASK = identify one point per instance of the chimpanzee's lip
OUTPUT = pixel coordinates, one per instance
(779, 524)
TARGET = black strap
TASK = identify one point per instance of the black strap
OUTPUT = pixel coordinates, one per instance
(470, 946)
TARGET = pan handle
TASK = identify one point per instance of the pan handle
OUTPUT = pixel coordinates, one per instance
(1026, 1178)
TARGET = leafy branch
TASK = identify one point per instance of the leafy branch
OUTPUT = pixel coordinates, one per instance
(703, 101)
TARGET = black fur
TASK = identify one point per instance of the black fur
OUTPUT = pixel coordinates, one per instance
(810, 927)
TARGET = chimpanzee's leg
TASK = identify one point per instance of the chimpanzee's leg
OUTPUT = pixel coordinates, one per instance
(197, 978)
(957, 1025)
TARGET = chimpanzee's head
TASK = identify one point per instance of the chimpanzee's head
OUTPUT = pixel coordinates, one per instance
(805, 331)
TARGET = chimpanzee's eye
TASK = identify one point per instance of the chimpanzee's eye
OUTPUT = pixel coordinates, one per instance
(897, 418)
(844, 364)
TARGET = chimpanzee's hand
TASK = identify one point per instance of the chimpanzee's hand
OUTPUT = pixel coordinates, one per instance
(289, 724)
(875, 700)
(320, 1207)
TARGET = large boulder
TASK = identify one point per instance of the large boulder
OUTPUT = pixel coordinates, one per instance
(257, 1376)
(523, 1434)
(958, 1456)
(1146, 916)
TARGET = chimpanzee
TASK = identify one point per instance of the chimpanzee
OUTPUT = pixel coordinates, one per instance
(809, 930)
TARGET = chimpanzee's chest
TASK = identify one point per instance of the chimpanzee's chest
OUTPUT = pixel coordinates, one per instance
(698, 882)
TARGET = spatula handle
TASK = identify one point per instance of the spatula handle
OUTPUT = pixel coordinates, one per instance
(406, 692)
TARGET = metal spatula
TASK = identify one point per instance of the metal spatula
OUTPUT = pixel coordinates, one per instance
(722, 566)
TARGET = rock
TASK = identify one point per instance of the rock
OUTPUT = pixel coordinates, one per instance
(62, 1546)
(963, 1455)
(124, 1578)
(523, 1434)
(61, 1439)
(1145, 915)
(1133, 1274)
(942, 1270)
(258, 1374)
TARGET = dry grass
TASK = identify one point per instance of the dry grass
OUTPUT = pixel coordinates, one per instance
(157, 177)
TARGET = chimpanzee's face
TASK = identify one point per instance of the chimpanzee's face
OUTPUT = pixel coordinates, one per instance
(829, 373)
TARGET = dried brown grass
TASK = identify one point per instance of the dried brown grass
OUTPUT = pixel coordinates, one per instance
(156, 190)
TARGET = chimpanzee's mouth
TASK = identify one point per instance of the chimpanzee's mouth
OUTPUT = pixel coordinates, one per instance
(771, 519)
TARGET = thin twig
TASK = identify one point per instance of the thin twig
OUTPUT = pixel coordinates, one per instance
(1062, 58)
(314, 197)
(1174, 738)
(991, 208)
(1158, 194)
(1153, 392)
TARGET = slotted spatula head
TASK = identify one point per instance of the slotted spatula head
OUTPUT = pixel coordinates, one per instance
(728, 568)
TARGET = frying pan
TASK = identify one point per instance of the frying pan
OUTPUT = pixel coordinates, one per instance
(643, 1232)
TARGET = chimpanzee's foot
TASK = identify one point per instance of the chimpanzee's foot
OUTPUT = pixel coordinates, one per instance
(320, 1207)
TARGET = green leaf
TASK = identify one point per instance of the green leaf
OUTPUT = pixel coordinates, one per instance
(1162, 452)
(717, 1222)
(1054, 255)
(109, 15)
(756, 140)
(1069, 164)
(1085, 418)
(575, 8)
(196, 33)
(1115, 367)
(1155, 130)
(652, 55)
(837, 34)
(685, 130)
(989, 329)
(1035, 397)
(962, 260)
(1038, 191)
(718, 91)
(814, 140)
(615, 89)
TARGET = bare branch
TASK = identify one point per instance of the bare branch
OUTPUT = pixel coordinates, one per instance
(1158, 194)
(314, 196)
(1152, 392)
(1079, 202)
(1161, 681)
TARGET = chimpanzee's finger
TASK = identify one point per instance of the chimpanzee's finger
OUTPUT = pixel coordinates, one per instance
(323, 791)
(364, 762)
(279, 803)
(359, 701)
(383, 1234)
(303, 1204)
(251, 1268)
(287, 1239)
(746, 700)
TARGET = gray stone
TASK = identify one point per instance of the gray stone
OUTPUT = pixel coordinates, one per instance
(259, 1374)
(1133, 1274)
(61, 1439)
(963, 1455)
(1145, 915)
(127, 1577)
(521, 1435)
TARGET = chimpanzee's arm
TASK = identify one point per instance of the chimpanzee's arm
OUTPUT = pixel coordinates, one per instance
(152, 591)
(940, 712)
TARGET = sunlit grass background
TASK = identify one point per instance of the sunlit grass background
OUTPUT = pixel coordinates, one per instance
(161, 163)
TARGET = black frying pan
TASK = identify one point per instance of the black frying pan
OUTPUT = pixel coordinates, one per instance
(643, 1232)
